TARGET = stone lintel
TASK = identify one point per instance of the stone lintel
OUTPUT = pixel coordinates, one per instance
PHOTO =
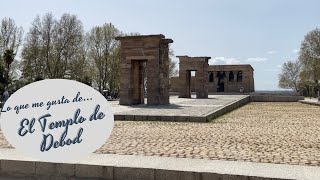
(195, 57)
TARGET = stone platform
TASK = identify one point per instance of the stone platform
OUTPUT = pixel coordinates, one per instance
(313, 101)
(16, 166)
(181, 109)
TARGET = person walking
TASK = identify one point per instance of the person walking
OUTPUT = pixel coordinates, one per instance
(242, 89)
(5, 96)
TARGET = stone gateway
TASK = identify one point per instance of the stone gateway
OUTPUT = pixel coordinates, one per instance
(199, 65)
(144, 60)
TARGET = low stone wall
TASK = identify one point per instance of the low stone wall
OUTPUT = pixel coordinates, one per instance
(205, 117)
(260, 97)
(160, 118)
(12, 169)
(275, 98)
(230, 107)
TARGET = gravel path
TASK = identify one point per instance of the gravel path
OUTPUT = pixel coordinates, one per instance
(285, 133)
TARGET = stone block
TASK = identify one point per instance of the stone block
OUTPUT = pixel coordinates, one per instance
(261, 178)
(140, 117)
(176, 175)
(56, 178)
(129, 117)
(212, 116)
(213, 176)
(153, 118)
(46, 168)
(197, 119)
(167, 118)
(119, 117)
(108, 172)
(23, 167)
(126, 173)
(88, 171)
(64, 169)
(234, 177)
(181, 118)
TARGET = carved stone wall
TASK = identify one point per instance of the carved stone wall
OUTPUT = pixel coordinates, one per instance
(229, 83)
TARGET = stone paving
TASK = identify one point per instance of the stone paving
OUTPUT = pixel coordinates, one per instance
(178, 107)
(282, 133)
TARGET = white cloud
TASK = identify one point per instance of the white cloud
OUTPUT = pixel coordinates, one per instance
(224, 60)
(296, 51)
(277, 69)
(257, 59)
(272, 52)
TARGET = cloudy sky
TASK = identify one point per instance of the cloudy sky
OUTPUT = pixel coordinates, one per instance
(263, 33)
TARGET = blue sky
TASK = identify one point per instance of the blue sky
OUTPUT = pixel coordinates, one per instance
(263, 33)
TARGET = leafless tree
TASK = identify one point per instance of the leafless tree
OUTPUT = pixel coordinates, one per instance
(104, 50)
(53, 47)
(173, 64)
(10, 41)
(10, 36)
(309, 57)
(289, 77)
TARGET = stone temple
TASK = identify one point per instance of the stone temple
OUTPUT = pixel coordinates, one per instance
(145, 70)
(219, 78)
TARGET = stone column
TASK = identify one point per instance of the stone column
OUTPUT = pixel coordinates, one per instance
(201, 81)
(184, 78)
(125, 81)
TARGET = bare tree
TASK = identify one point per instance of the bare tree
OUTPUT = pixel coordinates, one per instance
(10, 41)
(35, 52)
(53, 47)
(67, 43)
(10, 36)
(289, 77)
(309, 57)
(103, 49)
(310, 47)
(173, 64)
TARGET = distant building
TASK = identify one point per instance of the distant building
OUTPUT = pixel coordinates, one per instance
(223, 78)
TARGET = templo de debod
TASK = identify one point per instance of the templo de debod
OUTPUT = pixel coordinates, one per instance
(145, 65)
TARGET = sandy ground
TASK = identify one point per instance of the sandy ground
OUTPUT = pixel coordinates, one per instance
(285, 133)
